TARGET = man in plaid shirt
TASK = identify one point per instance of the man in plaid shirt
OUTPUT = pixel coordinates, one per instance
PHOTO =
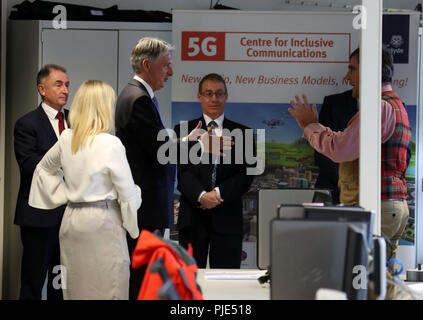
(343, 147)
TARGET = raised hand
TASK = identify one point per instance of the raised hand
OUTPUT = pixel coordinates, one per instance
(302, 113)
(196, 133)
(215, 144)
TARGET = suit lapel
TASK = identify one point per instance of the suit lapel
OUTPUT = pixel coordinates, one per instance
(203, 123)
(226, 124)
(67, 117)
(45, 123)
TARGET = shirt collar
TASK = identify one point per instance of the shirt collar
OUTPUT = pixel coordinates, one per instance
(218, 120)
(386, 86)
(51, 112)
(146, 85)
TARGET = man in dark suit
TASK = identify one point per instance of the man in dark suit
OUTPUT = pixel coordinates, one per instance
(34, 134)
(138, 125)
(210, 215)
(336, 111)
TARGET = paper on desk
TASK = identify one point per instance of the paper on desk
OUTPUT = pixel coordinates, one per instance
(234, 275)
(416, 287)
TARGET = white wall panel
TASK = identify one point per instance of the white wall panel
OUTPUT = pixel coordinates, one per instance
(86, 55)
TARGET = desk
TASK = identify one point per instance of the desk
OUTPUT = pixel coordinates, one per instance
(227, 288)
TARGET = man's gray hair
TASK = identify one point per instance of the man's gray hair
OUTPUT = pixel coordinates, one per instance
(150, 49)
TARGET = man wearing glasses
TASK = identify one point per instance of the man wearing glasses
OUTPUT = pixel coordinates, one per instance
(210, 215)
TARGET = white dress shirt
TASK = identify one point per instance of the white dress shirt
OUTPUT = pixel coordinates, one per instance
(146, 85)
(51, 114)
(219, 121)
(98, 172)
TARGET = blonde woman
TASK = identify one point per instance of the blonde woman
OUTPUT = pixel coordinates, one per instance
(87, 169)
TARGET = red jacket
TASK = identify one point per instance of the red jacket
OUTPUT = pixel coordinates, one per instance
(179, 267)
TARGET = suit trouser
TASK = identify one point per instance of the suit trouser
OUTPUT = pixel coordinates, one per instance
(136, 275)
(394, 218)
(41, 253)
(224, 250)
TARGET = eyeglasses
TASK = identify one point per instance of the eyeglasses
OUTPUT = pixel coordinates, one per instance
(209, 94)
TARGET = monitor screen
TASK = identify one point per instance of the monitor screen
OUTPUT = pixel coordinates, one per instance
(268, 202)
(345, 214)
(307, 255)
(330, 213)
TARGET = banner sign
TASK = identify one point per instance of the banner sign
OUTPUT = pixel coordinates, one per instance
(266, 58)
(264, 47)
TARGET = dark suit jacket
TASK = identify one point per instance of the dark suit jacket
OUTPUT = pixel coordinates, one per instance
(335, 113)
(231, 180)
(137, 125)
(33, 137)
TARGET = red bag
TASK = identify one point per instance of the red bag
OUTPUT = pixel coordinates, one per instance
(171, 271)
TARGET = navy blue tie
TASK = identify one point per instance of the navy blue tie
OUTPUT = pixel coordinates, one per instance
(213, 177)
(156, 103)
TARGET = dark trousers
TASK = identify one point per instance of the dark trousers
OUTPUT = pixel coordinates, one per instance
(41, 253)
(136, 275)
(224, 250)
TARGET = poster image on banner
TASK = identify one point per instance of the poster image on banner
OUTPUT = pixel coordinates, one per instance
(266, 58)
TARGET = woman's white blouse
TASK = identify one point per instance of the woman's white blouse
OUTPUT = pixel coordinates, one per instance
(100, 171)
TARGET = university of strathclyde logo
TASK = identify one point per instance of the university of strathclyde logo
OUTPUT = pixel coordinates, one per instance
(396, 46)
(396, 36)
(396, 41)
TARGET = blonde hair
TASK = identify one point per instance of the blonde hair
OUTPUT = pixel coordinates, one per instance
(91, 112)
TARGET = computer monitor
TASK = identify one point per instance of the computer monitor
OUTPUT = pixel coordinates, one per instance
(267, 204)
(342, 213)
(330, 213)
(307, 255)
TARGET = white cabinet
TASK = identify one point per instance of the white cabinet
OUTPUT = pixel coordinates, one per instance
(85, 54)
(88, 50)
